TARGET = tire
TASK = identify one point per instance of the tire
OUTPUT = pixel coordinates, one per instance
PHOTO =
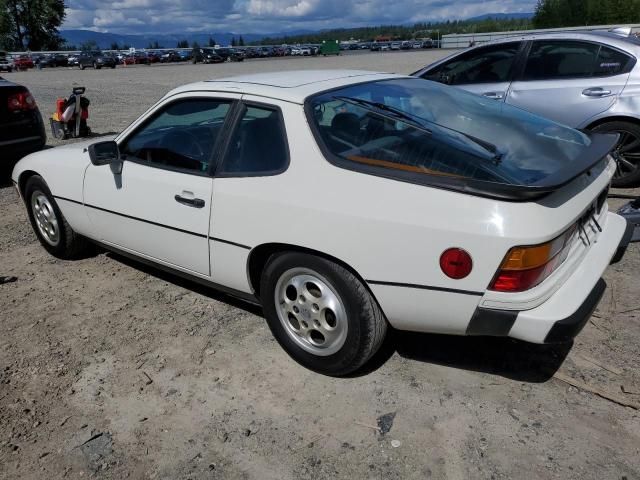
(340, 326)
(627, 152)
(82, 67)
(65, 243)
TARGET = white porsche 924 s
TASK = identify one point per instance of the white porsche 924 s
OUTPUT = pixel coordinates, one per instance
(344, 202)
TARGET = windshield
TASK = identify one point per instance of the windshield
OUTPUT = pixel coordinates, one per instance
(418, 126)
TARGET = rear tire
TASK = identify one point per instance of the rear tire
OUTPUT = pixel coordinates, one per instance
(626, 153)
(52, 229)
(321, 313)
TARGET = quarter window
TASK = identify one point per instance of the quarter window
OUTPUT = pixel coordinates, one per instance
(258, 145)
(482, 65)
(611, 62)
(182, 136)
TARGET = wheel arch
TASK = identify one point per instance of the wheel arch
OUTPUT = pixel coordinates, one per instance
(615, 118)
(259, 256)
(23, 178)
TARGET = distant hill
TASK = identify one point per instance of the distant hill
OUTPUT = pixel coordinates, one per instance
(104, 40)
(501, 16)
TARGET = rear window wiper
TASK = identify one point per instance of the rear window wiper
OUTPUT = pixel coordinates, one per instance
(418, 122)
(385, 108)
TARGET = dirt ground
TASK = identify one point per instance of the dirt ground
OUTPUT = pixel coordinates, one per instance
(111, 370)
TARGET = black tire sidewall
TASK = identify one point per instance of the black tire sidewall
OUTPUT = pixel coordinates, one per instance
(340, 362)
(628, 181)
(36, 183)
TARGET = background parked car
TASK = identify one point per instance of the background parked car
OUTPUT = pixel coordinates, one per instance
(5, 64)
(137, 58)
(96, 59)
(23, 62)
(585, 80)
(72, 61)
(170, 56)
(230, 54)
(61, 59)
(21, 125)
(206, 55)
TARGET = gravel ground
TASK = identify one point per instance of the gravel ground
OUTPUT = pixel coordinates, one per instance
(111, 370)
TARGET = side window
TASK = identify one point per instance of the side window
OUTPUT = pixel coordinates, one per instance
(258, 145)
(559, 59)
(491, 64)
(611, 62)
(182, 135)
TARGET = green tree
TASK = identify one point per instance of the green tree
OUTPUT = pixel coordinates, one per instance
(241, 41)
(182, 44)
(31, 24)
(195, 45)
(212, 42)
(233, 42)
(89, 45)
(114, 46)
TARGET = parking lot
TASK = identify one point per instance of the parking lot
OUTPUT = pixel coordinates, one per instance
(110, 369)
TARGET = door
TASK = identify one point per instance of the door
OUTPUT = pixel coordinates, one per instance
(484, 70)
(159, 206)
(570, 81)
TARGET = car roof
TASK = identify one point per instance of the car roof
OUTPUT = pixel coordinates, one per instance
(628, 43)
(290, 86)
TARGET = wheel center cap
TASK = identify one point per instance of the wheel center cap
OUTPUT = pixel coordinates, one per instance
(306, 313)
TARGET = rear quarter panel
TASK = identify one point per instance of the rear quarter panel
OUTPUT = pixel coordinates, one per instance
(387, 231)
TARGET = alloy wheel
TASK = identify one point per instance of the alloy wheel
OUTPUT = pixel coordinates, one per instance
(311, 312)
(627, 154)
(45, 218)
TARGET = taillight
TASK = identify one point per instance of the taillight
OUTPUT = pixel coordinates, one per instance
(526, 267)
(21, 101)
(456, 263)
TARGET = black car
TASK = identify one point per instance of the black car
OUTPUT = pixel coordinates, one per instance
(44, 61)
(230, 54)
(170, 56)
(206, 55)
(21, 125)
(95, 59)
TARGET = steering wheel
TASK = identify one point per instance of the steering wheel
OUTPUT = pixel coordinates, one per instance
(185, 143)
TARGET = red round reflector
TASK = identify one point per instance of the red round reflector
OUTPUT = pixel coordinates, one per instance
(456, 263)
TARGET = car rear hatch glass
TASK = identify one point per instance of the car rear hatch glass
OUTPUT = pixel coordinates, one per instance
(424, 132)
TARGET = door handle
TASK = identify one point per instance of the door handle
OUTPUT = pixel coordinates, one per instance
(191, 202)
(596, 92)
(494, 95)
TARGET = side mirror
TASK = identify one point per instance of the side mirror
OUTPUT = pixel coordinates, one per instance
(103, 153)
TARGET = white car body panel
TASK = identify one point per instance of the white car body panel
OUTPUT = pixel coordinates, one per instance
(391, 233)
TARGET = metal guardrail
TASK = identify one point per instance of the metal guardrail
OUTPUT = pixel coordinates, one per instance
(463, 40)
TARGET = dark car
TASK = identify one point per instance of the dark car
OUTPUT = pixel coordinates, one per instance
(21, 125)
(61, 60)
(96, 59)
(230, 54)
(170, 56)
(45, 61)
(206, 55)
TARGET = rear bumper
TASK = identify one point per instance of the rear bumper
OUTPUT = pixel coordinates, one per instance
(562, 316)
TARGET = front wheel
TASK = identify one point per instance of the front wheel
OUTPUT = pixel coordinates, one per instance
(52, 229)
(626, 153)
(321, 313)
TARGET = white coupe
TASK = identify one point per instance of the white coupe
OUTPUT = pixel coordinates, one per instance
(344, 202)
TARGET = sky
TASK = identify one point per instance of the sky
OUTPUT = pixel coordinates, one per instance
(269, 16)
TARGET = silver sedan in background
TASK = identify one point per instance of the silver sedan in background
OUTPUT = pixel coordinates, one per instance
(587, 80)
